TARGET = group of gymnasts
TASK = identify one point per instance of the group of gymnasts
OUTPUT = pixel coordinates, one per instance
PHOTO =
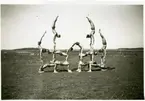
(54, 62)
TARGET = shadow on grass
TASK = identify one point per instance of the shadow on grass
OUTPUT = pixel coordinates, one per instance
(94, 69)
(108, 68)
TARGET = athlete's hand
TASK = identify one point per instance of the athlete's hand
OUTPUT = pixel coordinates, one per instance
(71, 49)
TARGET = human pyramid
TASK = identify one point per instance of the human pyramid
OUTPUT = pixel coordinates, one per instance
(54, 62)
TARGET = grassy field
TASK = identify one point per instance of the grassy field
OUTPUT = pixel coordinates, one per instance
(21, 80)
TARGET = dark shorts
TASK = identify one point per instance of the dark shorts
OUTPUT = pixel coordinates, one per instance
(88, 36)
(101, 50)
(39, 43)
(92, 28)
(104, 43)
(53, 27)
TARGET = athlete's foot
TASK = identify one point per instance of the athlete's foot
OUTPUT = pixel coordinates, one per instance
(78, 70)
(55, 71)
(102, 65)
(89, 70)
(103, 69)
(69, 71)
(40, 71)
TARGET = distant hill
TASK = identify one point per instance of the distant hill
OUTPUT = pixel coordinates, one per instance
(26, 49)
(129, 49)
(36, 49)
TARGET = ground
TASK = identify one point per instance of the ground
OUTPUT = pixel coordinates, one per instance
(21, 80)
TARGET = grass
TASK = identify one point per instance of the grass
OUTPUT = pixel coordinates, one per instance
(21, 80)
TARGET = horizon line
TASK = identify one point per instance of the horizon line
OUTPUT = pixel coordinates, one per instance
(66, 49)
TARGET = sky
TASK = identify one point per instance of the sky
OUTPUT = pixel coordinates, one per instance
(23, 25)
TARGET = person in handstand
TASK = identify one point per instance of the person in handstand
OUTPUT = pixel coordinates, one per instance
(56, 35)
(91, 36)
(92, 40)
(40, 47)
(103, 49)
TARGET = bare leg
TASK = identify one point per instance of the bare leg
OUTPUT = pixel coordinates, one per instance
(55, 68)
(91, 23)
(53, 26)
(90, 66)
(53, 57)
(69, 69)
(54, 47)
(41, 70)
(103, 56)
(41, 61)
(102, 61)
(79, 67)
(40, 54)
(40, 51)
(42, 67)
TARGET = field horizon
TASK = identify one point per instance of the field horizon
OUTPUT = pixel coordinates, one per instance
(35, 48)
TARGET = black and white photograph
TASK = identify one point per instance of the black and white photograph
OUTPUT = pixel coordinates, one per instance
(72, 51)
